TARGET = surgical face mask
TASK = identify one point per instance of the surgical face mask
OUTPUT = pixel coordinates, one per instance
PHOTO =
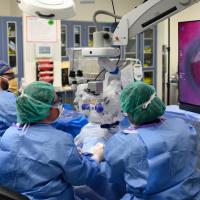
(60, 108)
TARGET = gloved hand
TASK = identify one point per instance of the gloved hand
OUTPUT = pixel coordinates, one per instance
(97, 152)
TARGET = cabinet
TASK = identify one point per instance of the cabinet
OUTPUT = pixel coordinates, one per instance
(91, 30)
(148, 55)
(11, 47)
(44, 70)
(143, 47)
(64, 42)
(132, 48)
(77, 33)
(72, 35)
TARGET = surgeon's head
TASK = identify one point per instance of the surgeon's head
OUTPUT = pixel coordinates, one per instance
(140, 102)
(38, 103)
(4, 85)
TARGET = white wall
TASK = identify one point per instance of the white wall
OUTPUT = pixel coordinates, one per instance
(9, 8)
(5, 8)
(86, 11)
(162, 39)
(14, 9)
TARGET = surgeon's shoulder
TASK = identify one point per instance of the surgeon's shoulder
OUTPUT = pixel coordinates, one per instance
(10, 95)
(177, 123)
(122, 136)
(10, 135)
(49, 134)
(62, 136)
(175, 120)
(12, 131)
(123, 143)
(181, 128)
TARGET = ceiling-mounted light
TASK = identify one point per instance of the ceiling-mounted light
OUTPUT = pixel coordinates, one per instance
(49, 9)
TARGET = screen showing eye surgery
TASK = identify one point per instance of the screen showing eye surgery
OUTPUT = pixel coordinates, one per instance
(189, 62)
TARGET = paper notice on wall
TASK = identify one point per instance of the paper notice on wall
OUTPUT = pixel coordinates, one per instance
(40, 30)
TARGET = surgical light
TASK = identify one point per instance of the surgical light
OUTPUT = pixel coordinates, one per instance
(48, 9)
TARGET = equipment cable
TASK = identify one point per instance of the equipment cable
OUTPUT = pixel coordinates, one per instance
(98, 12)
(114, 10)
(100, 74)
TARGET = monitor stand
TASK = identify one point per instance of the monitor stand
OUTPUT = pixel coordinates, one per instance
(189, 107)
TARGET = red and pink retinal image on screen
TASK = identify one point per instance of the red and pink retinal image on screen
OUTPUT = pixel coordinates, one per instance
(189, 62)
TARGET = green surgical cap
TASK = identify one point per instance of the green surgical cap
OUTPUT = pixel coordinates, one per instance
(34, 104)
(133, 98)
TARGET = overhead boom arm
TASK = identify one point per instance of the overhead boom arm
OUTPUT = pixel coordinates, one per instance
(145, 15)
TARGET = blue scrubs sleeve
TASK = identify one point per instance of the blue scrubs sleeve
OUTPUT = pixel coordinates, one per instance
(78, 169)
(115, 156)
(126, 160)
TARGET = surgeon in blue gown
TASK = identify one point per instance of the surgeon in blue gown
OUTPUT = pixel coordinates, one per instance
(156, 157)
(38, 160)
(8, 114)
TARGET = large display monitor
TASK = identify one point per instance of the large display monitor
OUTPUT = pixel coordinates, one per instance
(189, 65)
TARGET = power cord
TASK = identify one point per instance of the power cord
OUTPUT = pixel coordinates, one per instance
(103, 70)
(114, 10)
(100, 74)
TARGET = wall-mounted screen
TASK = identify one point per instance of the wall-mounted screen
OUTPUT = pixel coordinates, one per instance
(189, 65)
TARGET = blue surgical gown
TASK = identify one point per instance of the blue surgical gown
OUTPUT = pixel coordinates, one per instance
(43, 163)
(7, 110)
(70, 122)
(157, 162)
(90, 135)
